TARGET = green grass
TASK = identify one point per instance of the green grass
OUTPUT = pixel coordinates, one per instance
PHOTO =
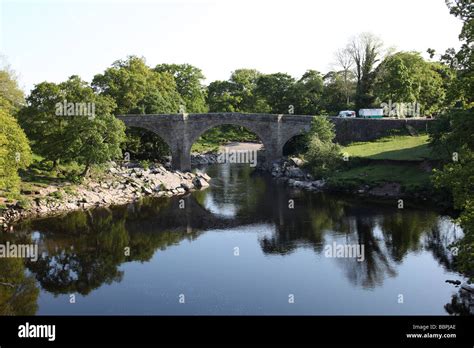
(395, 148)
(409, 176)
(40, 173)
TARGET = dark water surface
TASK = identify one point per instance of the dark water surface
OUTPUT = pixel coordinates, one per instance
(237, 248)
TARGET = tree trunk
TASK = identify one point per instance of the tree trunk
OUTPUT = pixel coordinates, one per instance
(86, 170)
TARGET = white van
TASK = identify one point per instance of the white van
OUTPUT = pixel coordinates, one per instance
(347, 113)
(371, 113)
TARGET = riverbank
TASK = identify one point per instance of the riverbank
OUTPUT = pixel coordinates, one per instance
(392, 167)
(118, 184)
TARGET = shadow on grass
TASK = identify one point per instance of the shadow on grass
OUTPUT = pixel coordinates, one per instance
(417, 153)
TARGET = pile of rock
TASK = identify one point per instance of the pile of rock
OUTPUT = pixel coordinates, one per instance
(120, 185)
(289, 170)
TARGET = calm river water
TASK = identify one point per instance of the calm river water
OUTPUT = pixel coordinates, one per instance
(246, 245)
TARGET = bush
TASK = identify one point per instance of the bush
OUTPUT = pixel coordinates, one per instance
(323, 155)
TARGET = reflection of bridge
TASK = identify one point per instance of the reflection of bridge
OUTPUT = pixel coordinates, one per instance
(180, 131)
(193, 217)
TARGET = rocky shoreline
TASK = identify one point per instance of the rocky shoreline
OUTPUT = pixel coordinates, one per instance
(290, 171)
(120, 184)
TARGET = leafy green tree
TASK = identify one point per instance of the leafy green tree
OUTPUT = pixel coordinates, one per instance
(462, 60)
(307, 94)
(238, 94)
(188, 84)
(454, 132)
(323, 154)
(405, 77)
(44, 129)
(92, 137)
(339, 88)
(278, 91)
(15, 153)
(137, 89)
(222, 97)
(11, 96)
(452, 135)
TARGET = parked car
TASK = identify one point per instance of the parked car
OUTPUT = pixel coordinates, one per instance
(347, 113)
(371, 113)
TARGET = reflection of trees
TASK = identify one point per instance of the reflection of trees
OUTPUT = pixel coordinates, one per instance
(460, 303)
(403, 231)
(303, 225)
(18, 291)
(84, 256)
(377, 263)
(440, 243)
(83, 250)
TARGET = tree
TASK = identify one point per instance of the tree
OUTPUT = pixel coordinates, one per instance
(11, 96)
(307, 93)
(463, 60)
(82, 138)
(455, 134)
(345, 62)
(323, 154)
(405, 77)
(15, 153)
(277, 90)
(337, 91)
(188, 84)
(238, 94)
(137, 89)
(222, 97)
(365, 50)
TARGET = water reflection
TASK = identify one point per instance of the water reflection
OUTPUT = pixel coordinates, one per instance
(82, 251)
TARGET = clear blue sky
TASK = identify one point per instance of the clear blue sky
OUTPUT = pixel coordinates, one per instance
(51, 40)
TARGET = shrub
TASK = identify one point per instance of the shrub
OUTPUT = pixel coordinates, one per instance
(323, 155)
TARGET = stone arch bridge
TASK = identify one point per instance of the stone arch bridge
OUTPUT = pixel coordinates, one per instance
(180, 131)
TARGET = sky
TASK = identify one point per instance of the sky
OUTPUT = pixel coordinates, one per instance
(52, 40)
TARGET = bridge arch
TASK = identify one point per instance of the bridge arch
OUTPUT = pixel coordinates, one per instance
(180, 131)
(156, 146)
(194, 136)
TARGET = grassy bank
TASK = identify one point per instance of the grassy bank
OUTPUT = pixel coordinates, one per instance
(404, 160)
(394, 148)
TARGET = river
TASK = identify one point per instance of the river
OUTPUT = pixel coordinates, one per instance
(246, 245)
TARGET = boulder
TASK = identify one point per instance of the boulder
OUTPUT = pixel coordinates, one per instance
(296, 161)
(199, 182)
(294, 172)
(187, 186)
